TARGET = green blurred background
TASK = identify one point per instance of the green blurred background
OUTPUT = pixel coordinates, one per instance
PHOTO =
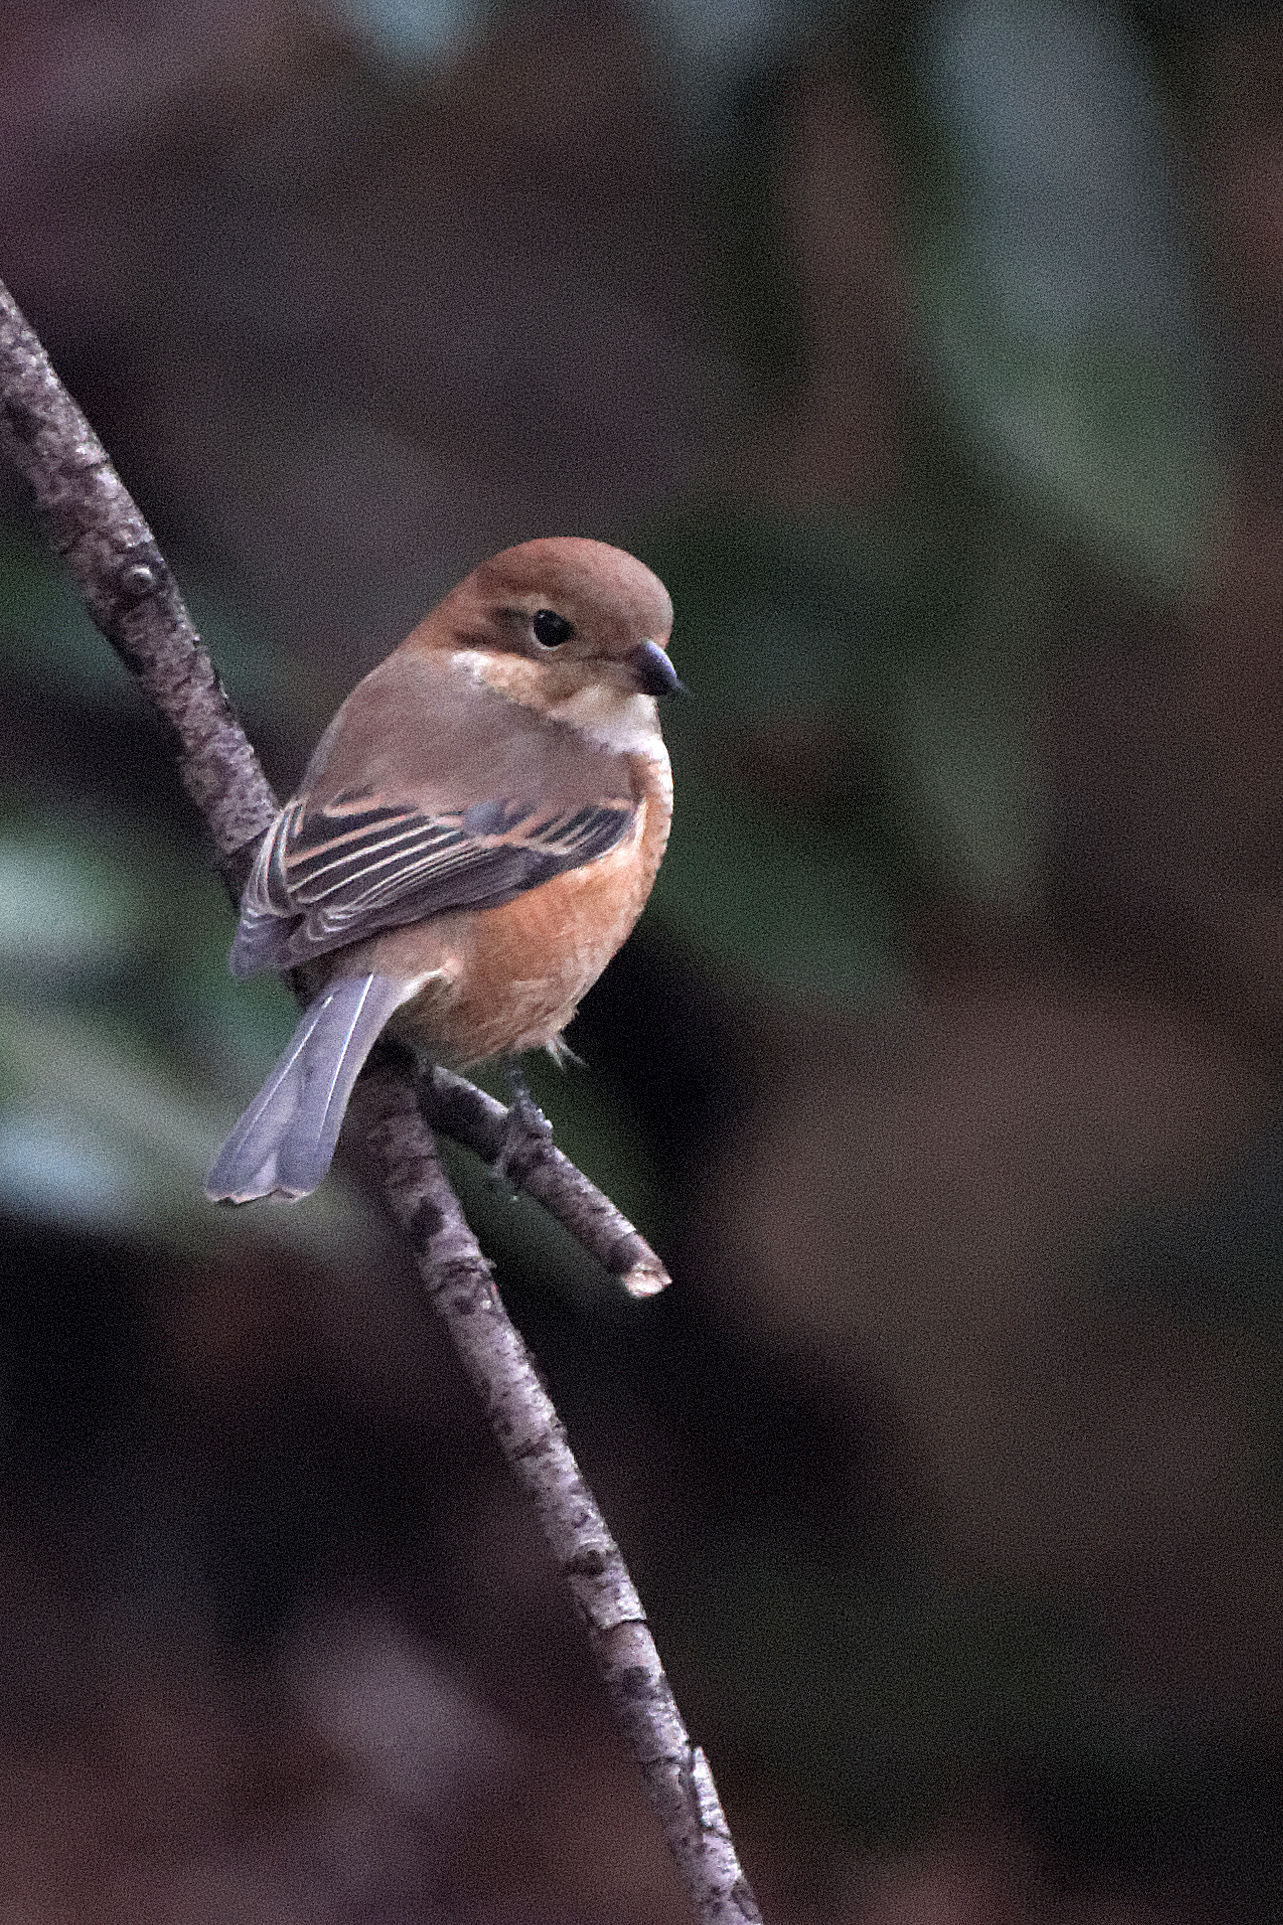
(932, 354)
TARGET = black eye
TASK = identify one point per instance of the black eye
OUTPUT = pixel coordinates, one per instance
(551, 630)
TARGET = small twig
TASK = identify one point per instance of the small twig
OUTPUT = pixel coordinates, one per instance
(127, 587)
(460, 1110)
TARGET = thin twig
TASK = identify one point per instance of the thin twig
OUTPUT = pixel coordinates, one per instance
(114, 560)
(460, 1110)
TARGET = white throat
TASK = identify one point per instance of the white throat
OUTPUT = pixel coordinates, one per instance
(628, 724)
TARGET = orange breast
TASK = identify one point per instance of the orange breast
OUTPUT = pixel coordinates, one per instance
(509, 979)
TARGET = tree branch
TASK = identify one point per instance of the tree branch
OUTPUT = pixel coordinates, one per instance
(460, 1110)
(112, 556)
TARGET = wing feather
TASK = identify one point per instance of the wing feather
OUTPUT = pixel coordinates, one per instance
(331, 875)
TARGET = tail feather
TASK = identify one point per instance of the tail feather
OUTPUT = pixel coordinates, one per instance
(283, 1144)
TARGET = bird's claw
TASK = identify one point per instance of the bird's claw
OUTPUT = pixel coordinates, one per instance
(526, 1134)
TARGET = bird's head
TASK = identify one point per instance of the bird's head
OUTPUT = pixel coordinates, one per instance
(561, 624)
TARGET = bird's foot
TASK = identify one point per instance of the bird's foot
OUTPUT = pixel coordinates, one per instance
(526, 1134)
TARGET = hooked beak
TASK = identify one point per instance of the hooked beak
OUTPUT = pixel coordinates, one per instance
(655, 673)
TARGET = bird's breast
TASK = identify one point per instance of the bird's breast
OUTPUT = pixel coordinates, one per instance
(510, 978)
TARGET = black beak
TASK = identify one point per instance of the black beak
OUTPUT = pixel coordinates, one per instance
(655, 673)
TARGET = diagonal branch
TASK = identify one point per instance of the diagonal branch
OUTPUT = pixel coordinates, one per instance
(125, 583)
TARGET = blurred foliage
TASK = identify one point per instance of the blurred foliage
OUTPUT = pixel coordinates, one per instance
(902, 663)
(115, 1029)
(1051, 282)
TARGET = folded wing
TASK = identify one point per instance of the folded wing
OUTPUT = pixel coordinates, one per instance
(331, 875)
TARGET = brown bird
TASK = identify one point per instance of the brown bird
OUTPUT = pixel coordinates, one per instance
(474, 837)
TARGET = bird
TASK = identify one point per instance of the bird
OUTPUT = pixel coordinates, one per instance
(475, 835)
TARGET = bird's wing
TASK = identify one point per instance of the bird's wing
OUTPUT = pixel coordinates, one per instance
(326, 877)
(487, 802)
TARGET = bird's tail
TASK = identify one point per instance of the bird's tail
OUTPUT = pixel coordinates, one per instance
(283, 1144)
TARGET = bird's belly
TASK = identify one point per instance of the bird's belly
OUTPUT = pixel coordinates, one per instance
(511, 977)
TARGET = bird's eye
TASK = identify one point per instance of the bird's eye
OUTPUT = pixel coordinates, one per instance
(551, 630)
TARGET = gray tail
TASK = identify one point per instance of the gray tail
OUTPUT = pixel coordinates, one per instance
(283, 1144)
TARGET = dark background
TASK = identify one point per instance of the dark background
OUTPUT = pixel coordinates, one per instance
(933, 356)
